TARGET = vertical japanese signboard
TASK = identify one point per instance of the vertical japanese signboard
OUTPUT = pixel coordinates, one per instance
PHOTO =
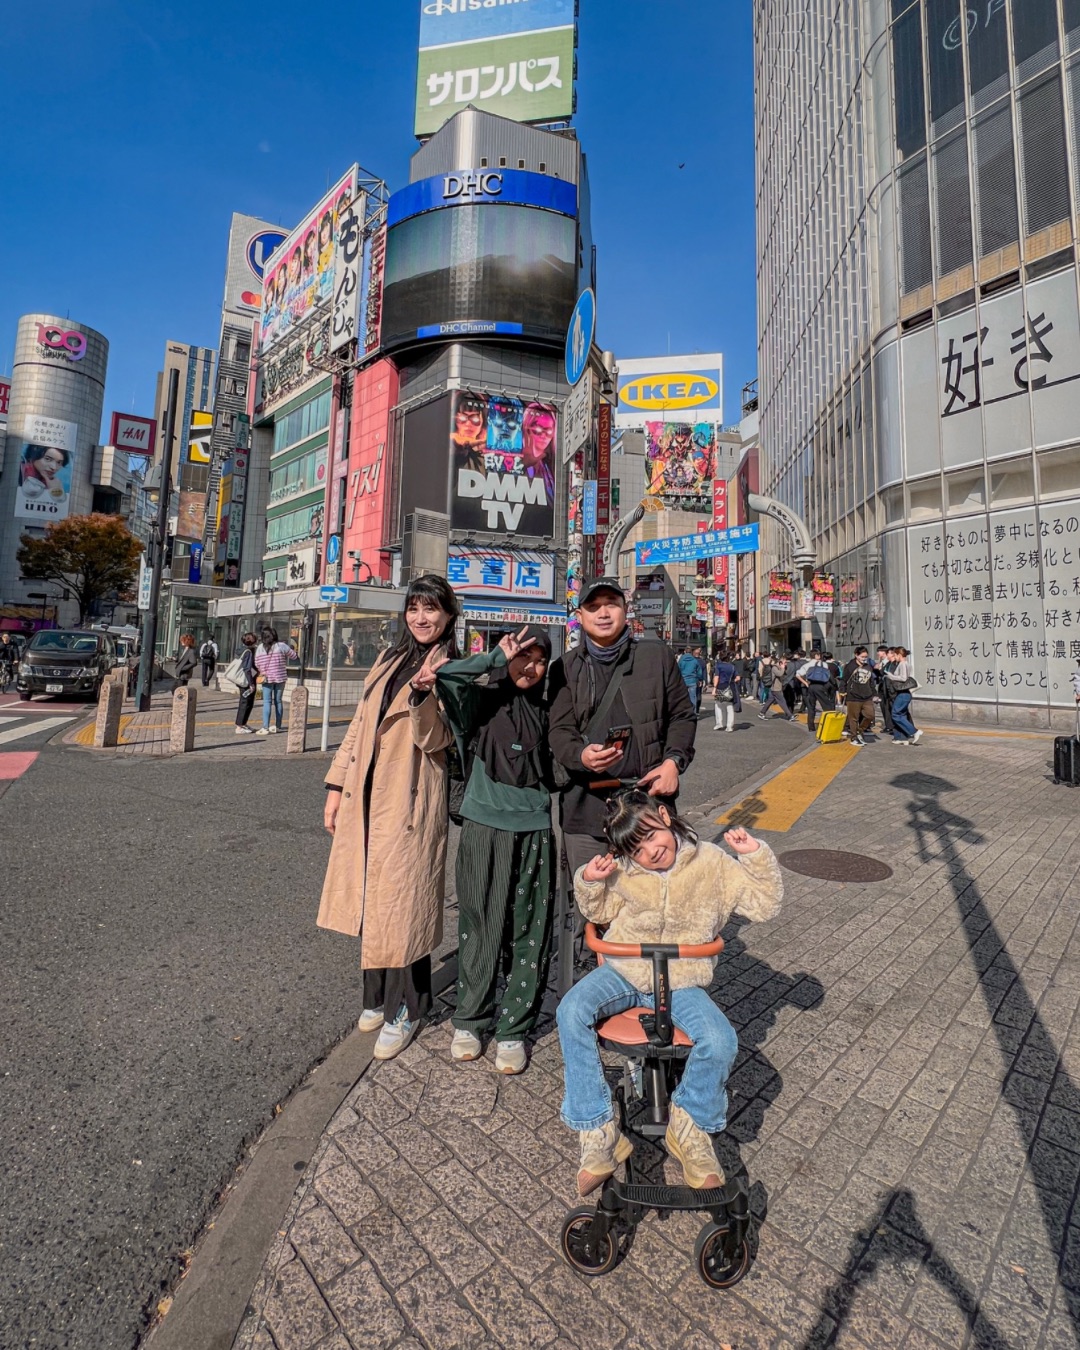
(603, 482)
(345, 316)
(721, 566)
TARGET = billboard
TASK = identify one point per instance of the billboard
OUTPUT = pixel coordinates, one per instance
(515, 60)
(46, 460)
(252, 242)
(5, 398)
(202, 424)
(480, 270)
(502, 572)
(300, 276)
(472, 187)
(685, 387)
(191, 518)
(136, 435)
(680, 458)
(504, 452)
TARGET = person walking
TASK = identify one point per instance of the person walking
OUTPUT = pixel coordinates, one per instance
(777, 675)
(725, 694)
(249, 672)
(208, 655)
(9, 660)
(608, 684)
(882, 688)
(386, 807)
(692, 669)
(819, 688)
(505, 866)
(902, 681)
(271, 658)
(186, 660)
(859, 696)
(764, 677)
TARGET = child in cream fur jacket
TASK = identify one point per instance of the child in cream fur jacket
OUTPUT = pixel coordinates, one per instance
(659, 883)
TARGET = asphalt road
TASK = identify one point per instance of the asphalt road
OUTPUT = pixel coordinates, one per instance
(162, 986)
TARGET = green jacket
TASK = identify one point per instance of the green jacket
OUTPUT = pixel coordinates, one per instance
(516, 810)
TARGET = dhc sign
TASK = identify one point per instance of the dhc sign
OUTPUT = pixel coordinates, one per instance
(470, 187)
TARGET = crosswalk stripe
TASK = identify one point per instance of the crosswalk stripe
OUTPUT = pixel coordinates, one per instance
(16, 733)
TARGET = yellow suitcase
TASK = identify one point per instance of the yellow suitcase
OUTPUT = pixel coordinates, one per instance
(830, 727)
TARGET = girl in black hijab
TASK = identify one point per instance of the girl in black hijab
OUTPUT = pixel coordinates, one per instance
(505, 864)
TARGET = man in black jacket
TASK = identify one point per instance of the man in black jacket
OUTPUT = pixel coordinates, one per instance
(859, 693)
(651, 699)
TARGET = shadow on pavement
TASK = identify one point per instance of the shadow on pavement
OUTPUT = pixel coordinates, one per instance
(1019, 1030)
(895, 1235)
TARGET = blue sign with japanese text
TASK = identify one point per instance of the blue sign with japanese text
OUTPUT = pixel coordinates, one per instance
(693, 547)
(588, 507)
(443, 22)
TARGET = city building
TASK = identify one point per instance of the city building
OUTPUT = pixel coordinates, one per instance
(53, 465)
(918, 173)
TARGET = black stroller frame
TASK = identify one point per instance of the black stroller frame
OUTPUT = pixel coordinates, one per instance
(592, 1235)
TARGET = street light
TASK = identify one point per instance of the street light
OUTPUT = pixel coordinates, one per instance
(145, 685)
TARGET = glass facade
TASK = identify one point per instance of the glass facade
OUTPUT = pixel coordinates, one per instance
(918, 178)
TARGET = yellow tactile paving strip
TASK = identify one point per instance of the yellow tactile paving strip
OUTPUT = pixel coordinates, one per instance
(780, 802)
(85, 735)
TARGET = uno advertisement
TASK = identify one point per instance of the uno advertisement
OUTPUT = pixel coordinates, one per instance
(514, 60)
(504, 453)
(680, 458)
(687, 388)
(300, 275)
(46, 460)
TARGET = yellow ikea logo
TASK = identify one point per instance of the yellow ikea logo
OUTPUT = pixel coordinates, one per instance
(668, 393)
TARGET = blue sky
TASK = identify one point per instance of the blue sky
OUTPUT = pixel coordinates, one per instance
(132, 131)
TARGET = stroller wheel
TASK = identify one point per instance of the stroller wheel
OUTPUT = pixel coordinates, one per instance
(586, 1254)
(716, 1268)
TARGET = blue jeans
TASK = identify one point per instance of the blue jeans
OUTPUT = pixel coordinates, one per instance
(272, 695)
(702, 1093)
(901, 717)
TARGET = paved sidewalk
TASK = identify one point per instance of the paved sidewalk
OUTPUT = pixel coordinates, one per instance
(147, 733)
(905, 1102)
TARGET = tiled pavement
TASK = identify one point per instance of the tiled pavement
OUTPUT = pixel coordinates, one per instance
(906, 1103)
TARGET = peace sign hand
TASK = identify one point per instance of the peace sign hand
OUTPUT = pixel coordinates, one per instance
(424, 679)
(514, 644)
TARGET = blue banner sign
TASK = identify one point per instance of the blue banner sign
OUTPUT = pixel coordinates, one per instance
(443, 22)
(468, 187)
(694, 547)
(588, 507)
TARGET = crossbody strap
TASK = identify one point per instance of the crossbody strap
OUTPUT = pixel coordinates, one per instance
(596, 731)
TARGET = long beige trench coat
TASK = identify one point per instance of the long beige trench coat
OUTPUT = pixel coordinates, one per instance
(388, 886)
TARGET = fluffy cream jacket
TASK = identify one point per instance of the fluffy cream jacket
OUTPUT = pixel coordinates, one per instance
(689, 904)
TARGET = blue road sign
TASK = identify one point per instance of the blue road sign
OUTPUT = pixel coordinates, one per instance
(333, 548)
(693, 547)
(579, 338)
(333, 595)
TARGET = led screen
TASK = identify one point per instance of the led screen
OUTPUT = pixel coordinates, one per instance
(477, 271)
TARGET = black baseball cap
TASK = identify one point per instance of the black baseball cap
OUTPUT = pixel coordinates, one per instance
(601, 584)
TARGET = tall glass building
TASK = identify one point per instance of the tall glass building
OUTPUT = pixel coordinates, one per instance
(918, 183)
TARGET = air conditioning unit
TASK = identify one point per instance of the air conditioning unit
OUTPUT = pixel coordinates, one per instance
(425, 545)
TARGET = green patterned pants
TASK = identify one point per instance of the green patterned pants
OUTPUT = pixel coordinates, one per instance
(504, 890)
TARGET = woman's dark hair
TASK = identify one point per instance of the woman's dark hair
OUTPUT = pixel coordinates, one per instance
(249, 639)
(630, 817)
(269, 637)
(437, 591)
(33, 453)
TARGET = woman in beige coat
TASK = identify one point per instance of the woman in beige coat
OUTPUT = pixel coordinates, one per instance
(387, 810)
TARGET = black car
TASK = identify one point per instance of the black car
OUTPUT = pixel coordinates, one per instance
(59, 661)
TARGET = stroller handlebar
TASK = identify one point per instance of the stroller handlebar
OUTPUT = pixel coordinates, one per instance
(646, 950)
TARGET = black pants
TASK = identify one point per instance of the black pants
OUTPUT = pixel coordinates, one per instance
(208, 667)
(243, 710)
(818, 699)
(408, 985)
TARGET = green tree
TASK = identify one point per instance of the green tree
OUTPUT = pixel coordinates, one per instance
(90, 555)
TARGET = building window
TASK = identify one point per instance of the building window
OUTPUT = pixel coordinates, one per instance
(944, 31)
(914, 227)
(1035, 36)
(953, 204)
(995, 181)
(988, 56)
(307, 420)
(1043, 162)
(910, 97)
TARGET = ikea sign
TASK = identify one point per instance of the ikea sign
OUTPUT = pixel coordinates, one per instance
(668, 389)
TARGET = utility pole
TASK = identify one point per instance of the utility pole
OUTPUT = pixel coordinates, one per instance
(149, 637)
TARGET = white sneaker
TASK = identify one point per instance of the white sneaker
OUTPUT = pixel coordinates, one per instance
(371, 1019)
(510, 1057)
(465, 1046)
(916, 738)
(395, 1036)
(263, 731)
(273, 731)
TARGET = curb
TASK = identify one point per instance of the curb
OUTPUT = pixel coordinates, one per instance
(210, 1303)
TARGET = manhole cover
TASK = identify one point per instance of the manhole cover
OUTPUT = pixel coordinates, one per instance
(830, 864)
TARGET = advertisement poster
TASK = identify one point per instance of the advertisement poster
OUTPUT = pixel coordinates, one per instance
(504, 453)
(300, 275)
(781, 592)
(823, 586)
(680, 458)
(46, 460)
(516, 60)
(202, 424)
(191, 519)
(671, 388)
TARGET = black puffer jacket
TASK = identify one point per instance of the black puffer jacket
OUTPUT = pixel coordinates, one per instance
(652, 699)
